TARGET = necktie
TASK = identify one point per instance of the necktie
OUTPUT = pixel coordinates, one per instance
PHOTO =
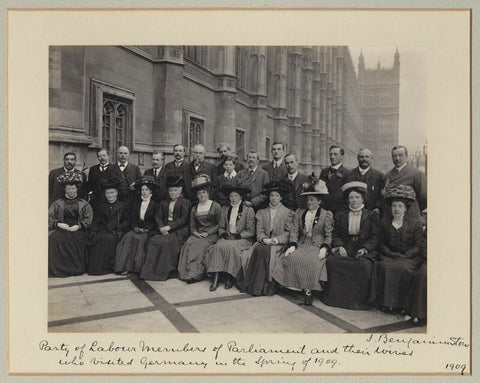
(251, 172)
(122, 167)
(275, 165)
(155, 172)
(102, 168)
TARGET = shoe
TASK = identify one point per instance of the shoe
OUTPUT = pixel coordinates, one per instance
(271, 289)
(387, 310)
(228, 283)
(214, 284)
(125, 273)
(418, 322)
(308, 298)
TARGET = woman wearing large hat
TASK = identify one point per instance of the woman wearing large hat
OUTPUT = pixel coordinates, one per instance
(204, 222)
(274, 225)
(110, 223)
(171, 232)
(237, 231)
(68, 219)
(130, 252)
(350, 267)
(400, 249)
(303, 266)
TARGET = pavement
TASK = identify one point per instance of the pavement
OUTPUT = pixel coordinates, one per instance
(114, 303)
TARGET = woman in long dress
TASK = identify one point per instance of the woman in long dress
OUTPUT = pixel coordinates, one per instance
(204, 223)
(237, 231)
(399, 251)
(164, 246)
(110, 223)
(350, 266)
(274, 225)
(68, 220)
(303, 266)
(130, 252)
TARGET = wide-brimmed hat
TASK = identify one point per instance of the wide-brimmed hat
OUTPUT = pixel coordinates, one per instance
(175, 181)
(277, 186)
(202, 181)
(111, 183)
(146, 180)
(399, 192)
(70, 177)
(362, 186)
(315, 186)
(235, 185)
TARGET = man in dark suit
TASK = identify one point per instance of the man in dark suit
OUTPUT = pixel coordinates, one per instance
(276, 169)
(404, 174)
(224, 151)
(159, 173)
(180, 167)
(98, 173)
(127, 174)
(371, 177)
(200, 166)
(254, 179)
(57, 191)
(334, 176)
(295, 181)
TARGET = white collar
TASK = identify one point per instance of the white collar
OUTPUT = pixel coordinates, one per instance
(125, 165)
(363, 171)
(401, 167)
(104, 166)
(337, 166)
(254, 169)
(279, 162)
(291, 177)
(232, 174)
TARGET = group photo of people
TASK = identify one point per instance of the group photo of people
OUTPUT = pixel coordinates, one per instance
(351, 238)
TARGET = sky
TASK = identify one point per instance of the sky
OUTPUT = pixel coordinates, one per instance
(413, 88)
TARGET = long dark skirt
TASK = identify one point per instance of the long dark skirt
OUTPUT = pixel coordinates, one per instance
(101, 255)
(162, 257)
(191, 264)
(257, 274)
(351, 282)
(67, 253)
(394, 277)
(130, 252)
(416, 299)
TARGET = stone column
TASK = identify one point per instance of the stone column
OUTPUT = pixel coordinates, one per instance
(316, 110)
(257, 87)
(277, 62)
(323, 107)
(225, 93)
(294, 80)
(168, 89)
(307, 77)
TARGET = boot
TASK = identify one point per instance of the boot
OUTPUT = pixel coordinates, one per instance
(308, 298)
(214, 284)
(229, 282)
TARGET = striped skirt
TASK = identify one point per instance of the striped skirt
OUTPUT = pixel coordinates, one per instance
(302, 269)
(224, 256)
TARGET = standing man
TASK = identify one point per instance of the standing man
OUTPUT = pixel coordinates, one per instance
(334, 176)
(404, 174)
(276, 169)
(295, 180)
(372, 178)
(224, 151)
(98, 173)
(158, 172)
(254, 178)
(57, 191)
(200, 166)
(127, 174)
(180, 167)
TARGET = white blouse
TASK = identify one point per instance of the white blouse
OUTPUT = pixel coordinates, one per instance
(203, 208)
(309, 219)
(171, 205)
(143, 208)
(232, 224)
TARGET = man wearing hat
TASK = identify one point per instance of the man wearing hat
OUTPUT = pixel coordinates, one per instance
(371, 177)
(158, 172)
(335, 176)
(404, 174)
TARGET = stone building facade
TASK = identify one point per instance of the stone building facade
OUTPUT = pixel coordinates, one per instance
(151, 97)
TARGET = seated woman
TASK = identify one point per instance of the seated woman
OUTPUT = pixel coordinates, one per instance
(171, 233)
(237, 231)
(400, 244)
(68, 219)
(303, 266)
(350, 266)
(416, 297)
(130, 252)
(274, 225)
(110, 223)
(204, 222)
(229, 175)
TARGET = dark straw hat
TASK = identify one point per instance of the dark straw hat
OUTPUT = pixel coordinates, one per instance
(202, 181)
(71, 177)
(235, 185)
(399, 192)
(146, 180)
(111, 183)
(175, 181)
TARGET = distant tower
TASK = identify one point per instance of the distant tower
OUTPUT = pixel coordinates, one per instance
(379, 89)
